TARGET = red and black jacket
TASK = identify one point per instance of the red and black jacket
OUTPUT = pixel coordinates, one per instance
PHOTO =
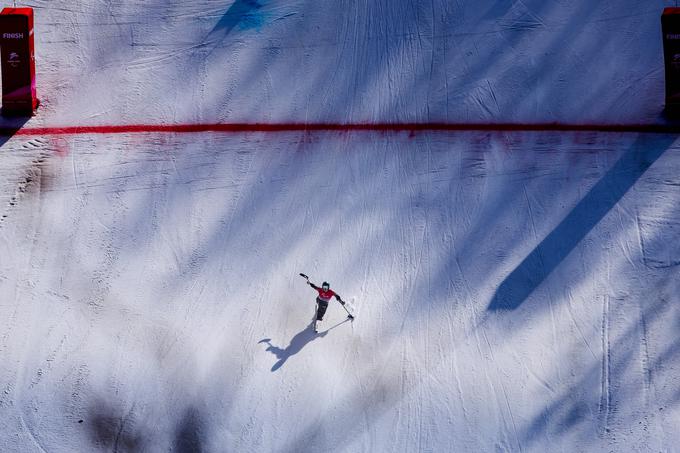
(324, 295)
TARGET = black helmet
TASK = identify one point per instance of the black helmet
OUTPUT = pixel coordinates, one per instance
(326, 285)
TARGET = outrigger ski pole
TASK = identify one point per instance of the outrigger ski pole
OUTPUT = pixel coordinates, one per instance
(349, 315)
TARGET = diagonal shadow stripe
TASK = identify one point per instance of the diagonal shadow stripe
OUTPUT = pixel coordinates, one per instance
(543, 260)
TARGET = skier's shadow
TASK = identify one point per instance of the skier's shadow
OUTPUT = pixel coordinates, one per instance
(299, 341)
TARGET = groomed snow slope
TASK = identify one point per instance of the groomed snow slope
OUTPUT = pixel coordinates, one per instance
(103, 61)
(515, 291)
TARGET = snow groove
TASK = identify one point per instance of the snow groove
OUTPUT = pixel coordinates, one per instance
(605, 387)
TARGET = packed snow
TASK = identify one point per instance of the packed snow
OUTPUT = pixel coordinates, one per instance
(513, 291)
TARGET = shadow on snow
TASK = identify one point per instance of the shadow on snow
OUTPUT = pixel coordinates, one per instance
(557, 245)
(299, 341)
(240, 12)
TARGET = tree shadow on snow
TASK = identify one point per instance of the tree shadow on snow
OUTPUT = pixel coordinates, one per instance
(241, 12)
(9, 126)
(189, 435)
(113, 428)
(557, 245)
(613, 392)
(299, 341)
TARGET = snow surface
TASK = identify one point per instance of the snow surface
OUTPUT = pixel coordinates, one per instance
(515, 291)
(576, 61)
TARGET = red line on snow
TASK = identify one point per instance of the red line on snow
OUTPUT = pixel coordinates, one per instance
(339, 127)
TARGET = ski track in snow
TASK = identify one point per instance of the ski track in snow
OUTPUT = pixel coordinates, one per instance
(606, 397)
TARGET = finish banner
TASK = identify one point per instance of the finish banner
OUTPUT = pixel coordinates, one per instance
(670, 26)
(18, 61)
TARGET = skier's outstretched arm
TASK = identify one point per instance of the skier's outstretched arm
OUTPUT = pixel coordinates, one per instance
(342, 302)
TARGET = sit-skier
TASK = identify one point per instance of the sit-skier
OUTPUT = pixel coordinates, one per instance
(325, 296)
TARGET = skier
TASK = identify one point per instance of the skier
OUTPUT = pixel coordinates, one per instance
(325, 296)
